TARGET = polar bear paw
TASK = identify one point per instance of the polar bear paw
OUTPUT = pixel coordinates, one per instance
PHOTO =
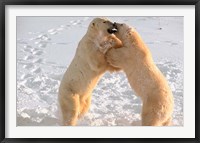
(106, 45)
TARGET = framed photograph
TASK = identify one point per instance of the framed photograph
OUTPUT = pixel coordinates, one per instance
(122, 71)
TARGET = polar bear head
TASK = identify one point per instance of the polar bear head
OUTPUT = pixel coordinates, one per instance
(100, 32)
(101, 26)
(123, 30)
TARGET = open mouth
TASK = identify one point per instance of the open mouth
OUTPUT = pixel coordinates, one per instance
(112, 30)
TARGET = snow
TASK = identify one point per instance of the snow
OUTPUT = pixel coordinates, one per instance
(45, 48)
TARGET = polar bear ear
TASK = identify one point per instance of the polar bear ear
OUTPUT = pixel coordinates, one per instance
(93, 24)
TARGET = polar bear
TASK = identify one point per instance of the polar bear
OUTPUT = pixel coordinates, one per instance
(86, 68)
(143, 75)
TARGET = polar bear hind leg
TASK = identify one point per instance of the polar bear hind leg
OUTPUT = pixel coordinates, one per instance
(168, 122)
(70, 109)
(154, 119)
(149, 119)
(85, 105)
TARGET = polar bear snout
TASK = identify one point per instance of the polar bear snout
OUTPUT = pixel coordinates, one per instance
(115, 25)
(113, 28)
(118, 25)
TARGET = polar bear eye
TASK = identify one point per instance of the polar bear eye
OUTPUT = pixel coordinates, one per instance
(104, 22)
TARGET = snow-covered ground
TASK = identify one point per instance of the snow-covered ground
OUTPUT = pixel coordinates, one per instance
(46, 46)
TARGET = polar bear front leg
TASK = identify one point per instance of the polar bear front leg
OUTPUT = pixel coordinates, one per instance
(70, 109)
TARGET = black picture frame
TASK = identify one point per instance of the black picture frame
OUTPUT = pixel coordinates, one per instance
(4, 3)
